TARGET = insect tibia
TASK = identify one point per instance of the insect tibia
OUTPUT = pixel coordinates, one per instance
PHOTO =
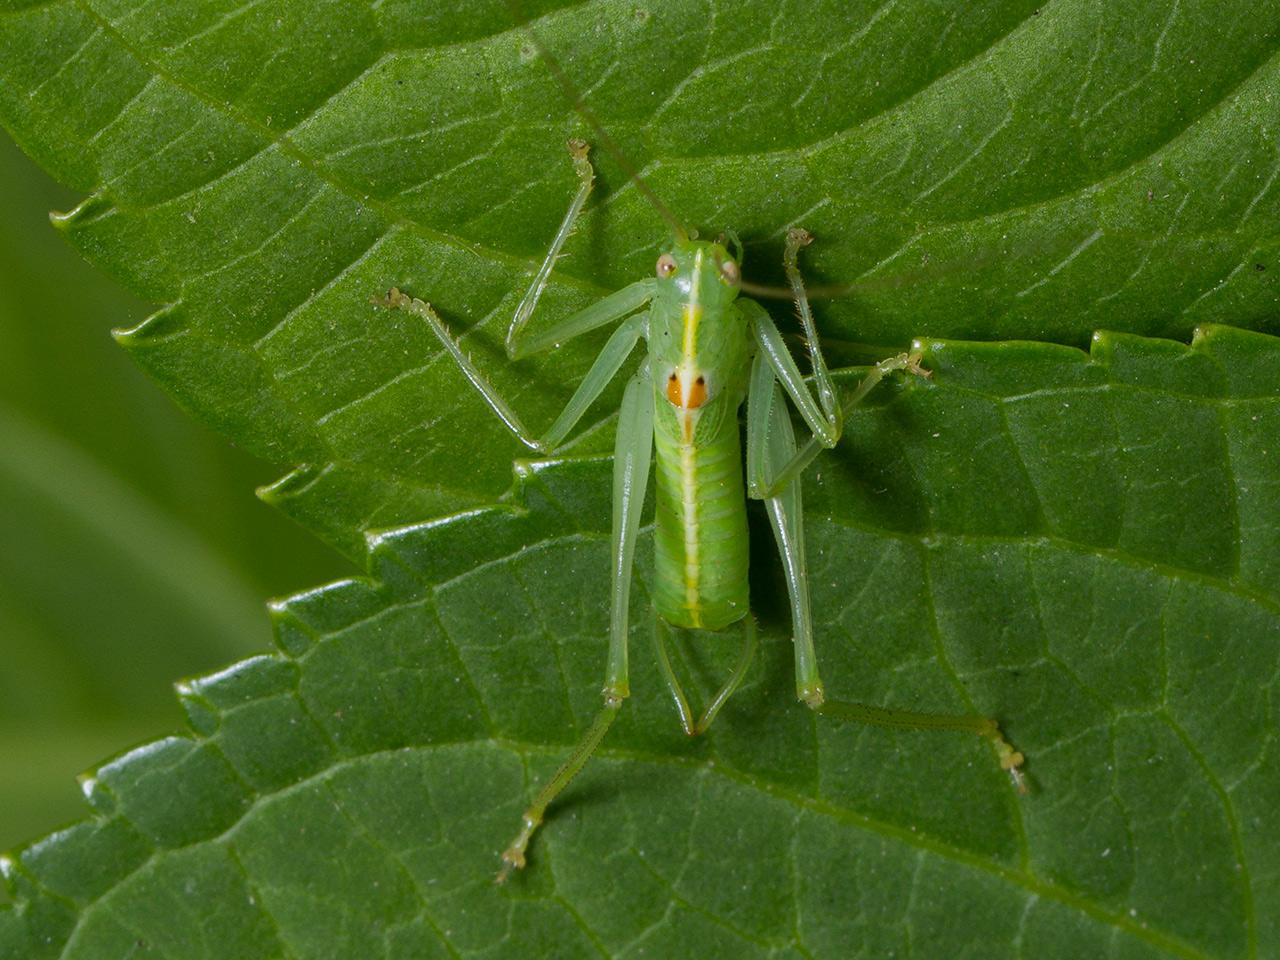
(394, 299)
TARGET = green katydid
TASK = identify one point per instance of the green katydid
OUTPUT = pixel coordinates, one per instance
(709, 350)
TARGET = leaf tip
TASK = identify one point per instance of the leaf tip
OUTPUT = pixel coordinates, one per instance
(98, 796)
(293, 483)
(91, 208)
(164, 324)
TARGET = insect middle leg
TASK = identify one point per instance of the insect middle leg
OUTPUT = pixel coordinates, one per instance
(824, 415)
(769, 425)
(774, 466)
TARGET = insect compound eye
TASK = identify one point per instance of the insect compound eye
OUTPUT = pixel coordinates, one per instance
(730, 273)
(666, 265)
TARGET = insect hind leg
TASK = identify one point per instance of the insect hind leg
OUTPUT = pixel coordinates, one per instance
(632, 452)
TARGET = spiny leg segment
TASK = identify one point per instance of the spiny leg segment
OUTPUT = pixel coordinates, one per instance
(774, 466)
(603, 370)
(586, 177)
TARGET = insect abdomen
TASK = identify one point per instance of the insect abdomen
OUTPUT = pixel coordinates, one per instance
(700, 537)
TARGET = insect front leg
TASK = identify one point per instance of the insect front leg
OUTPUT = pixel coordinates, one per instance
(762, 384)
(825, 424)
(602, 371)
(798, 237)
(770, 449)
(611, 308)
(823, 414)
(633, 450)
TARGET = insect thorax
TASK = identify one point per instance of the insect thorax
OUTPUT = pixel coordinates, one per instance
(698, 342)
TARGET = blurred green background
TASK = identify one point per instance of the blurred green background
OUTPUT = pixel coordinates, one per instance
(133, 551)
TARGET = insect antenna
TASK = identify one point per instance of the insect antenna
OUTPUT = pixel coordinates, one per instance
(602, 135)
(986, 255)
(826, 292)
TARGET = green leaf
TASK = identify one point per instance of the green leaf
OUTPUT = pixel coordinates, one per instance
(133, 549)
(1001, 171)
(347, 794)
(1084, 548)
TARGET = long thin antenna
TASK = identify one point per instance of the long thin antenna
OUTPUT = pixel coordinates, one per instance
(602, 135)
(907, 275)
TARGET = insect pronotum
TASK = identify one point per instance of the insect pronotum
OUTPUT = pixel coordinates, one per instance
(709, 350)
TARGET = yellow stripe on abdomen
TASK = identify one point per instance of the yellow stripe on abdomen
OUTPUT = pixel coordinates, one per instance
(689, 503)
(700, 537)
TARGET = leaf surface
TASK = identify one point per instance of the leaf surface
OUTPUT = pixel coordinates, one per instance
(348, 793)
(1001, 171)
(1083, 546)
(133, 550)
